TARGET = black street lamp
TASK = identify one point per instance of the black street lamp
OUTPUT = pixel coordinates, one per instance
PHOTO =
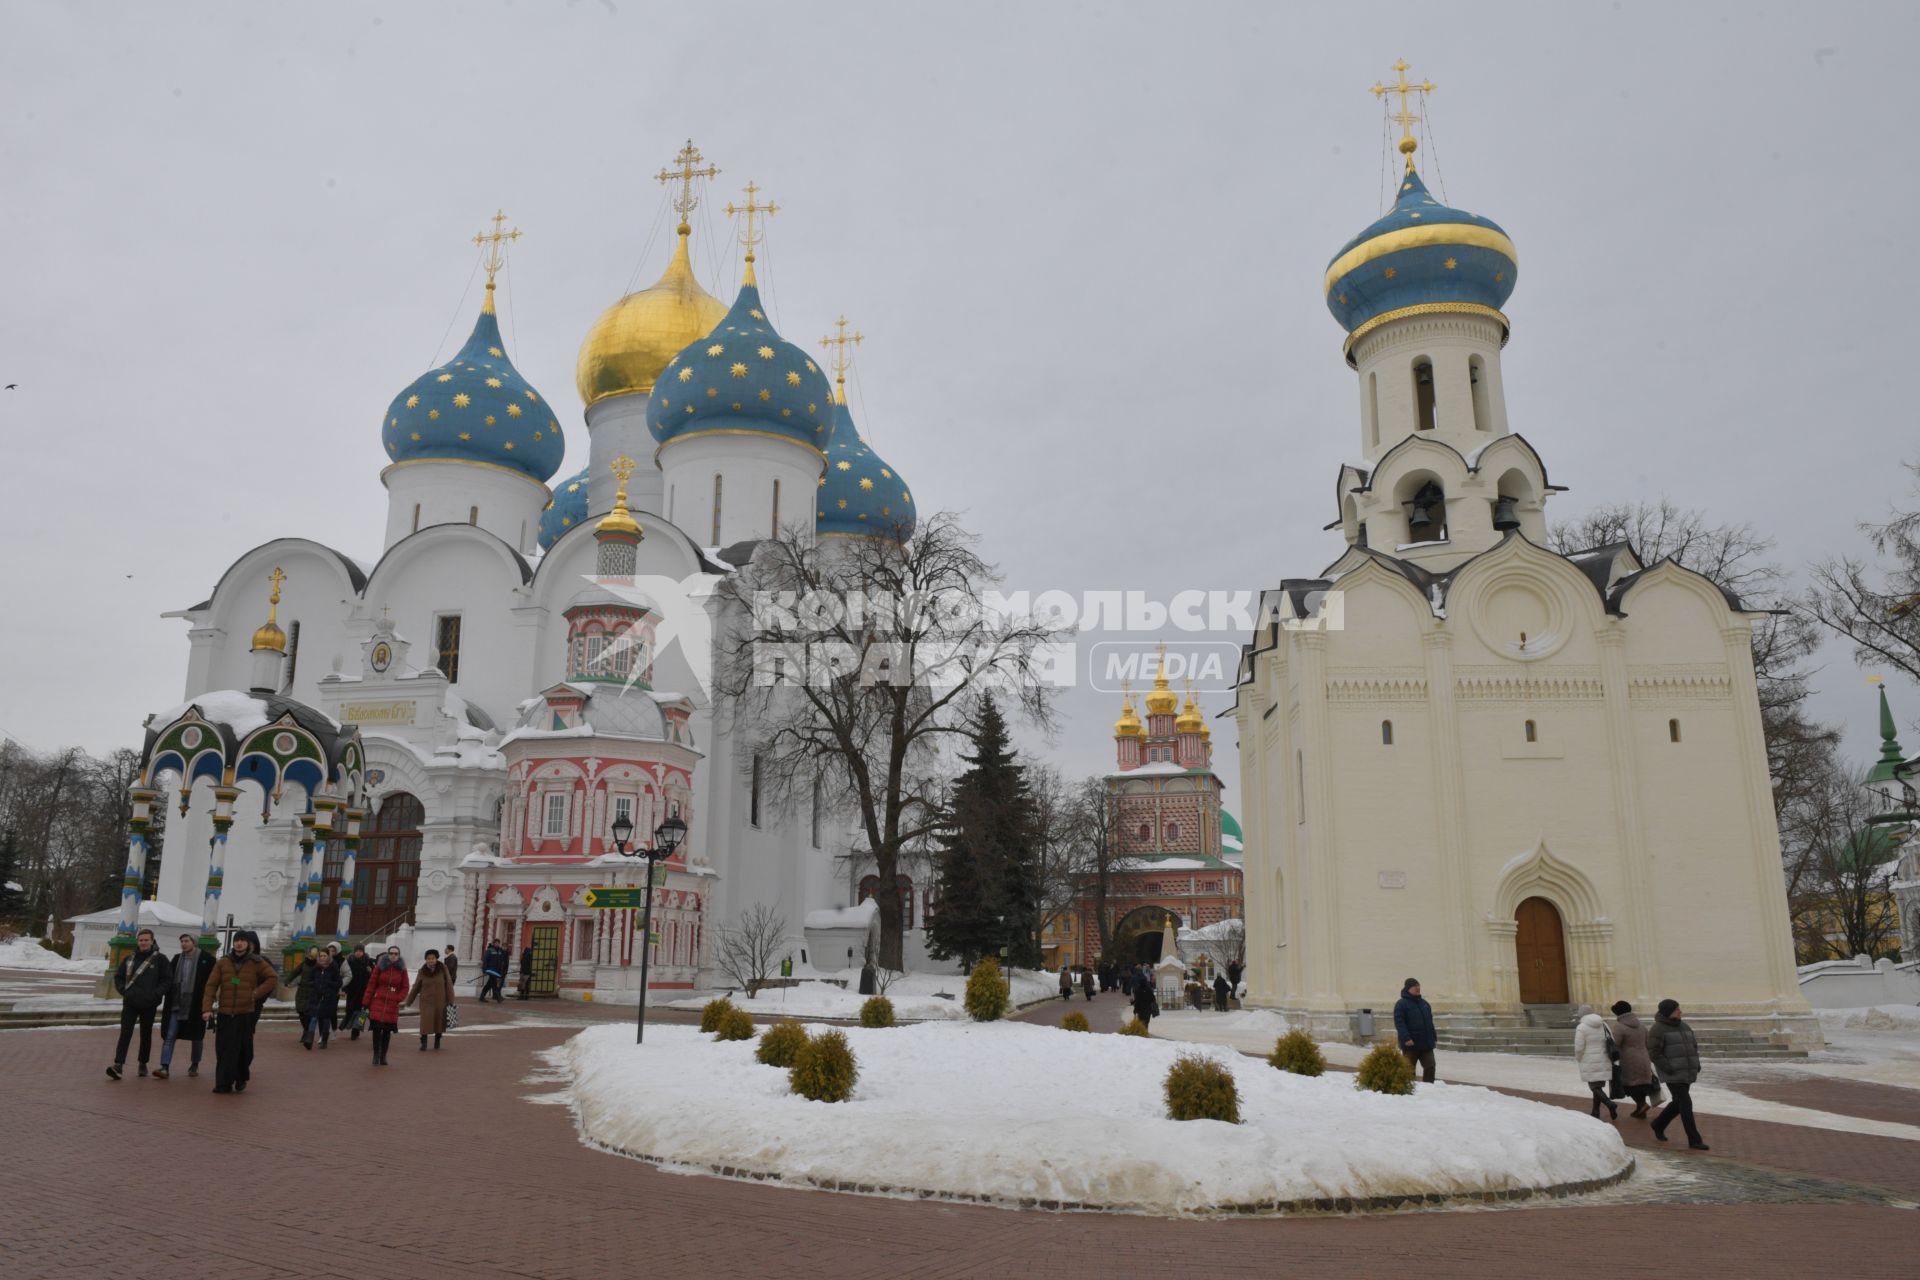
(666, 838)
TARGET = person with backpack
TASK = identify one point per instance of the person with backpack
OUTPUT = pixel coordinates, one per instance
(1593, 1055)
(386, 989)
(141, 980)
(180, 1015)
(240, 983)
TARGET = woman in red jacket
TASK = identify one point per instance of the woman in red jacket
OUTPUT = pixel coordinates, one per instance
(386, 991)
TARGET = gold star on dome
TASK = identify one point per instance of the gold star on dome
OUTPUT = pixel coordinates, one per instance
(819, 515)
(445, 377)
(886, 511)
(886, 473)
(813, 408)
(490, 419)
(508, 446)
(1413, 215)
(689, 408)
(736, 406)
(393, 422)
(863, 515)
(713, 391)
(566, 522)
(416, 435)
(738, 370)
(755, 313)
(495, 351)
(843, 504)
(493, 382)
(574, 487)
(513, 411)
(843, 466)
(765, 394)
(665, 403)
(433, 413)
(532, 396)
(536, 435)
(1391, 273)
(462, 400)
(716, 348)
(686, 375)
(466, 435)
(786, 413)
(413, 402)
(793, 379)
(866, 482)
(905, 496)
(1451, 263)
(1406, 186)
(1498, 276)
(823, 482)
(765, 353)
(811, 368)
(1343, 299)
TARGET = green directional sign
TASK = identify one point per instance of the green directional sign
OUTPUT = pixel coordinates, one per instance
(659, 876)
(604, 897)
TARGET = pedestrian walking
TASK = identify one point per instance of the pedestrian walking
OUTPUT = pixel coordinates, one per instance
(1125, 978)
(493, 969)
(386, 990)
(301, 980)
(141, 981)
(336, 961)
(240, 983)
(359, 973)
(323, 993)
(1222, 992)
(1086, 983)
(1066, 982)
(1676, 1063)
(1413, 1027)
(180, 1015)
(526, 972)
(1635, 1068)
(433, 988)
(1145, 1005)
(1593, 1054)
(452, 962)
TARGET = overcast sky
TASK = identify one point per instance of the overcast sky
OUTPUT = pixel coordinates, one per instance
(1085, 242)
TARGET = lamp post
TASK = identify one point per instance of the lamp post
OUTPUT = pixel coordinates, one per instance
(666, 838)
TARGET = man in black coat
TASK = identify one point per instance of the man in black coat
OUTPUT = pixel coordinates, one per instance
(526, 972)
(1145, 1004)
(180, 1015)
(141, 981)
(359, 973)
(1413, 1028)
(493, 969)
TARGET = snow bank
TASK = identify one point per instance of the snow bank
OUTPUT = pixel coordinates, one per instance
(917, 997)
(26, 953)
(1879, 1017)
(854, 917)
(240, 712)
(1005, 1111)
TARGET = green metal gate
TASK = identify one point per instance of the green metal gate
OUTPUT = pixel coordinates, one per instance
(546, 960)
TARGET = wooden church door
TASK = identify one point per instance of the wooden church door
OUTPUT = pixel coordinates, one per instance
(1541, 949)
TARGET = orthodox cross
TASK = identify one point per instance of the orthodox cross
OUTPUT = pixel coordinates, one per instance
(840, 355)
(1405, 117)
(622, 467)
(689, 168)
(495, 242)
(748, 212)
(273, 601)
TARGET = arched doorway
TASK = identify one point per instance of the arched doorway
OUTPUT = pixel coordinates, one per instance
(1138, 936)
(1540, 950)
(386, 871)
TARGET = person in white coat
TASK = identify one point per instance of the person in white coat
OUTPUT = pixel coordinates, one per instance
(1592, 1053)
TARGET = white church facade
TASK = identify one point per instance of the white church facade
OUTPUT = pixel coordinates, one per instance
(508, 704)
(1525, 778)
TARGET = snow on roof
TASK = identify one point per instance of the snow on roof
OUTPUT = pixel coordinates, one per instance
(857, 916)
(151, 913)
(241, 712)
(1218, 931)
(1166, 864)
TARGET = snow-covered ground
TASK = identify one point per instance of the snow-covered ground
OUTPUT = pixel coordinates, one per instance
(1011, 1111)
(917, 997)
(1711, 1096)
(22, 952)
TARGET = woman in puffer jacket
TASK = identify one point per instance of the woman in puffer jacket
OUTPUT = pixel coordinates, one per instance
(1595, 1063)
(386, 991)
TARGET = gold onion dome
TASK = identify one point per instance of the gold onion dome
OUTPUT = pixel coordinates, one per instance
(1128, 725)
(634, 338)
(1162, 701)
(1190, 721)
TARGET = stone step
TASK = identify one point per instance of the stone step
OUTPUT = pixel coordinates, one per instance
(1534, 1049)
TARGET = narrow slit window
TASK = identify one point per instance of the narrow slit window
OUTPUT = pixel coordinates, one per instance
(416, 517)
(753, 793)
(1673, 731)
(1423, 411)
(716, 512)
(1386, 733)
(1533, 734)
(446, 638)
(473, 515)
(1477, 380)
(1373, 409)
(775, 530)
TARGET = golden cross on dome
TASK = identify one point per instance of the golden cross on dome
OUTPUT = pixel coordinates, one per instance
(273, 601)
(748, 212)
(496, 242)
(622, 467)
(840, 355)
(1405, 117)
(689, 161)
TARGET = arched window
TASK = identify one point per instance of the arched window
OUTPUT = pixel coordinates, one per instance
(1477, 377)
(1146, 831)
(1423, 411)
(905, 884)
(1673, 731)
(869, 887)
(1386, 733)
(1373, 409)
(1533, 734)
(1427, 514)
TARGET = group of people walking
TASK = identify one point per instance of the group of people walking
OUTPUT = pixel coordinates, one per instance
(1622, 1059)
(192, 992)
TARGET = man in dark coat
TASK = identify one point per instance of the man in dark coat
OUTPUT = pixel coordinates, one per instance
(526, 972)
(1145, 1005)
(1413, 1028)
(240, 983)
(1676, 1062)
(452, 963)
(1222, 992)
(180, 1015)
(493, 970)
(141, 981)
(359, 972)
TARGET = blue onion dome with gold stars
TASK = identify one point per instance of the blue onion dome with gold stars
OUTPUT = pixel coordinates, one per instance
(859, 493)
(565, 509)
(1421, 257)
(742, 377)
(476, 408)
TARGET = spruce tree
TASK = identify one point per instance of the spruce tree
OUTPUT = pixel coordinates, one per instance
(988, 890)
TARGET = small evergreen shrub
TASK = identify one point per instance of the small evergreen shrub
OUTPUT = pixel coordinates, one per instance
(1133, 1027)
(876, 1012)
(780, 1043)
(1075, 1022)
(1296, 1052)
(735, 1024)
(824, 1069)
(61, 948)
(1385, 1070)
(986, 991)
(712, 1012)
(1201, 1089)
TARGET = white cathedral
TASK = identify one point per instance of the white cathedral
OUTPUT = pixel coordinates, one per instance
(1527, 779)
(509, 706)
